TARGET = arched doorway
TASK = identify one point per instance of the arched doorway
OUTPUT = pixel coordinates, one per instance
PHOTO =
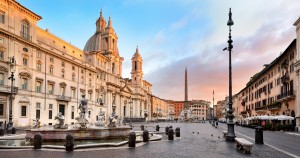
(293, 121)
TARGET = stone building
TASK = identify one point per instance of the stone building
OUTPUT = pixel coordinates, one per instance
(199, 109)
(52, 74)
(271, 91)
(159, 108)
(178, 107)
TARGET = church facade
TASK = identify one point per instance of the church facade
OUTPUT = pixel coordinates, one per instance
(51, 75)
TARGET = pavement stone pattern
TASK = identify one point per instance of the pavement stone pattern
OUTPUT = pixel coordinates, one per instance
(206, 141)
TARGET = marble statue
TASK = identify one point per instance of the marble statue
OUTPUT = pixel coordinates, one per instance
(101, 119)
(36, 123)
(61, 121)
(112, 120)
(82, 121)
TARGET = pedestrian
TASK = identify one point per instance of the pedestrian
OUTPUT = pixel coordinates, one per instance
(216, 124)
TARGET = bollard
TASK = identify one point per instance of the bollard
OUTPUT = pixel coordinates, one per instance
(157, 128)
(69, 142)
(142, 127)
(177, 132)
(13, 130)
(259, 137)
(167, 130)
(1, 131)
(132, 137)
(37, 141)
(145, 136)
(171, 134)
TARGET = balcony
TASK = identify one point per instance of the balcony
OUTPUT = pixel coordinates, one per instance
(286, 96)
(7, 89)
(285, 64)
(274, 106)
(63, 98)
(285, 78)
(243, 113)
(262, 108)
(25, 36)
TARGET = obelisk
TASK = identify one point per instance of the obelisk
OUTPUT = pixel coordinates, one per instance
(186, 102)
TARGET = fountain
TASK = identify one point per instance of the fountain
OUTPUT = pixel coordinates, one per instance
(82, 130)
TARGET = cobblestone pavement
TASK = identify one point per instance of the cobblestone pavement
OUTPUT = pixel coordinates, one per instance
(197, 140)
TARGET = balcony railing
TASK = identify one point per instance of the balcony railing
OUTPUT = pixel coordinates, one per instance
(243, 113)
(286, 95)
(25, 36)
(274, 106)
(261, 108)
(7, 89)
(63, 98)
(285, 78)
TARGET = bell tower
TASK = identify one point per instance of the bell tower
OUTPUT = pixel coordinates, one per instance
(137, 71)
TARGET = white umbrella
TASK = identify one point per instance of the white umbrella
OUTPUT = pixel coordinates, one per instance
(284, 117)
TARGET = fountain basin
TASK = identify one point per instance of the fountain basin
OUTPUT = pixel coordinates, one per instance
(79, 134)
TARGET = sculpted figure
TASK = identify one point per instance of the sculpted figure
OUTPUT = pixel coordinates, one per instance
(61, 121)
(101, 119)
(82, 121)
(113, 120)
(36, 123)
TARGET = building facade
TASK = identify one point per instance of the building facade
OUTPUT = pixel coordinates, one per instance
(199, 109)
(159, 108)
(51, 75)
(178, 107)
(272, 91)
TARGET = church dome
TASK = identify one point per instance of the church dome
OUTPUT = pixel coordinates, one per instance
(94, 43)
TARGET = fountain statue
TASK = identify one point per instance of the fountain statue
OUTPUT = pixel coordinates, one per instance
(112, 120)
(186, 115)
(36, 123)
(82, 121)
(101, 119)
(61, 121)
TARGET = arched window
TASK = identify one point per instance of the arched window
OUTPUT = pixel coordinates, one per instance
(113, 68)
(25, 30)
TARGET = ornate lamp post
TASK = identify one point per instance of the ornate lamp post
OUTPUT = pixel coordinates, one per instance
(11, 78)
(230, 123)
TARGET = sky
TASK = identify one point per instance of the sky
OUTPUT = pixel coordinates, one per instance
(176, 34)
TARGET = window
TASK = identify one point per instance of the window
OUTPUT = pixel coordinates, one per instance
(25, 61)
(50, 114)
(24, 83)
(37, 113)
(63, 64)
(1, 55)
(38, 66)
(51, 60)
(73, 67)
(50, 90)
(50, 106)
(73, 77)
(292, 68)
(82, 79)
(51, 69)
(38, 105)
(1, 79)
(1, 109)
(62, 73)
(113, 68)
(72, 113)
(23, 111)
(38, 86)
(73, 92)
(25, 30)
(2, 17)
(62, 91)
(90, 96)
(39, 55)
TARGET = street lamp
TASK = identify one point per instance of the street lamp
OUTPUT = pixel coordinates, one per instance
(230, 124)
(11, 78)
